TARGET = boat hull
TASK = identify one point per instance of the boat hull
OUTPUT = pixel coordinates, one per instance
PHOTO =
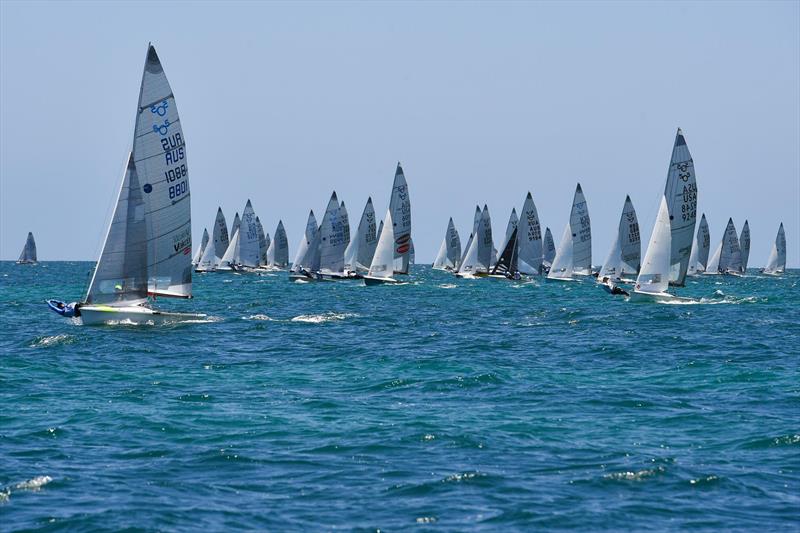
(94, 315)
(372, 281)
(637, 296)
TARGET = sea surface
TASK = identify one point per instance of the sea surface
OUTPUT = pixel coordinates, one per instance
(439, 405)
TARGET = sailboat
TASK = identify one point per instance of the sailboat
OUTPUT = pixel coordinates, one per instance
(476, 219)
(776, 263)
(345, 224)
(529, 237)
(730, 261)
(301, 266)
(358, 254)
(449, 256)
(400, 206)
(478, 259)
(263, 244)
(574, 254)
(331, 244)
(147, 250)
(506, 266)
(698, 260)
(712, 268)
(382, 267)
(744, 244)
(216, 248)
(624, 258)
(202, 249)
(278, 251)
(513, 222)
(548, 250)
(653, 279)
(680, 191)
(28, 255)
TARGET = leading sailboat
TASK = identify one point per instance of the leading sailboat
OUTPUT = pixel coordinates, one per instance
(147, 250)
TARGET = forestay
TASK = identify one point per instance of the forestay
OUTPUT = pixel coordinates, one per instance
(681, 193)
(159, 155)
(654, 275)
(120, 277)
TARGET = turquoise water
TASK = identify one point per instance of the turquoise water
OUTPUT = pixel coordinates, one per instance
(441, 405)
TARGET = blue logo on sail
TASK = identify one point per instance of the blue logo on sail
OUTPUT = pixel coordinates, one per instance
(162, 129)
(160, 110)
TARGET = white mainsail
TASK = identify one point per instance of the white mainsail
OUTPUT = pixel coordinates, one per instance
(203, 244)
(120, 277)
(731, 256)
(278, 253)
(332, 239)
(744, 244)
(382, 265)
(28, 254)
(513, 222)
(625, 256)
(159, 156)
(221, 239)
(450, 251)
(476, 219)
(237, 223)
(681, 193)
(479, 256)
(400, 206)
(548, 248)
(302, 248)
(562, 265)
(698, 260)
(529, 238)
(581, 235)
(208, 262)
(231, 255)
(654, 275)
(776, 264)
(248, 249)
(713, 264)
(358, 255)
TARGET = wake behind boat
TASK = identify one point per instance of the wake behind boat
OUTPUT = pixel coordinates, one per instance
(147, 250)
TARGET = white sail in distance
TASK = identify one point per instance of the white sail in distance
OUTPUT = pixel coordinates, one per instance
(302, 248)
(776, 263)
(731, 256)
(548, 248)
(529, 238)
(562, 265)
(654, 275)
(332, 239)
(383, 260)
(263, 243)
(681, 193)
(624, 259)
(231, 255)
(450, 251)
(713, 264)
(28, 254)
(220, 234)
(203, 244)
(698, 260)
(400, 206)
(159, 155)
(248, 253)
(358, 255)
(744, 244)
(581, 235)
(279, 248)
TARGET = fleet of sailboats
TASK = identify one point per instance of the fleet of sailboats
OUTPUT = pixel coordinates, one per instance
(147, 252)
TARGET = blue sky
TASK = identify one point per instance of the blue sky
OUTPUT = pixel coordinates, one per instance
(284, 102)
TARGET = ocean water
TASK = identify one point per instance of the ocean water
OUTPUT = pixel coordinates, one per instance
(440, 405)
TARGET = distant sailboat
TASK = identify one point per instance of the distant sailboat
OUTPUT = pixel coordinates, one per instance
(574, 254)
(744, 244)
(698, 260)
(653, 279)
(730, 261)
(712, 268)
(278, 252)
(513, 222)
(478, 259)
(507, 263)
(529, 238)
(237, 222)
(549, 250)
(28, 255)
(332, 243)
(624, 258)
(681, 194)
(345, 224)
(229, 258)
(263, 243)
(476, 219)
(358, 255)
(449, 255)
(776, 263)
(400, 206)
(216, 248)
(147, 250)
(203, 244)
(382, 267)
(301, 266)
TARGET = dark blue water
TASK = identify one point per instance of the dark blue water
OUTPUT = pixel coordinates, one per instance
(441, 405)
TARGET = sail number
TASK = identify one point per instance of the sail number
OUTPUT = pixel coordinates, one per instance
(177, 190)
(689, 204)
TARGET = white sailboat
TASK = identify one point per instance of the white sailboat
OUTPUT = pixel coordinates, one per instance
(476, 219)
(263, 243)
(229, 258)
(574, 254)
(203, 243)
(698, 260)
(730, 261)
(624, 258)
(776, 263)
(530, 241)
(382, 268)
(680, 191)
(332, 243)
(28, 254)
(148, 244)
(653, 279)
(744, 244)
(400, 206)
(478, 259)
(345, 224)
(216, 248)
(712, 268)
(237, 222)
(358, 255)
(449, 255)
(301, 266)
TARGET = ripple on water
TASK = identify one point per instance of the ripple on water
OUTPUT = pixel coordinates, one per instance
(323, 317)
(51, 341)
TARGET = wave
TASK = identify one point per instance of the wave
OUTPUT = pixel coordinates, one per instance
(52, 340)
(322, 318)
(259, 317)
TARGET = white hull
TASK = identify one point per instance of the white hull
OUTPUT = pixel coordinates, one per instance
(92, 315)
(370, 280)
(637, 296)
